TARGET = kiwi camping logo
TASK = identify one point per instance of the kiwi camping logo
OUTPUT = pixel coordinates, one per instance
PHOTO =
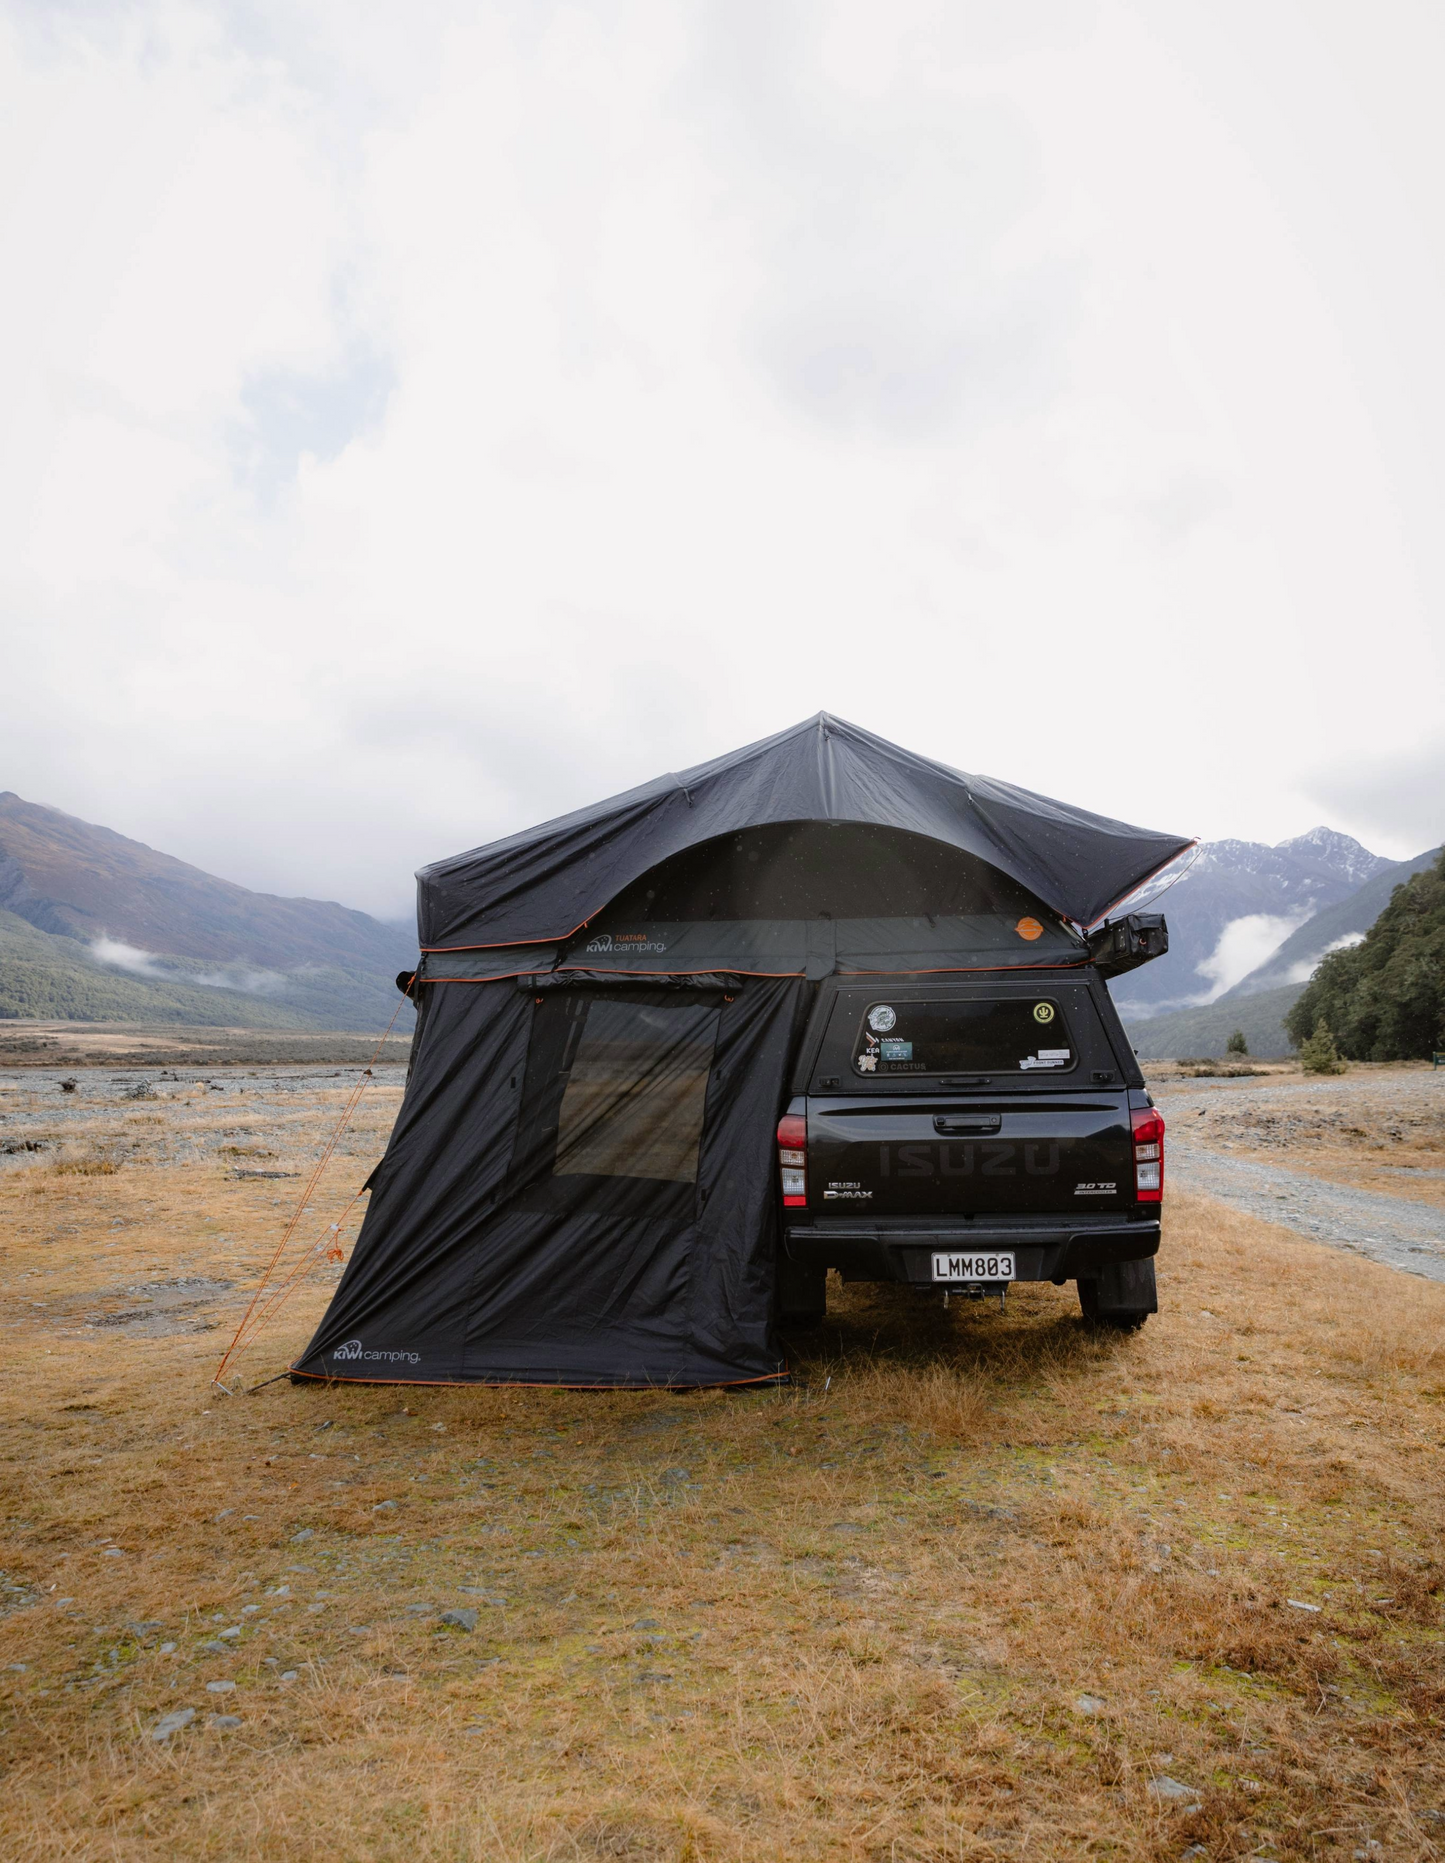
(623, 944)
(355, 1349)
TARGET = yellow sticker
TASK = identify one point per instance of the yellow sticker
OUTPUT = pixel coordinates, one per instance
(1043, 1012)
(1030, 929)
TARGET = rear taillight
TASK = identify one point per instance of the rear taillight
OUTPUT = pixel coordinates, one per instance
(793, 1160)
(1148, 1154)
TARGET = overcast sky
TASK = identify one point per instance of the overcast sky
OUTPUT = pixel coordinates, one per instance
(419, 421)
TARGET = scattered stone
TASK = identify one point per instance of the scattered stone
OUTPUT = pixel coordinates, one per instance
(462, 1619)
(1089, 1704)
(167, 1649)
(234, 1631)
(1296, 1604)
(1172, 1791)
(220, 1688)
(420, 1610)
(214, 1647)
(225, 1721)
(384, 1507)
(288, 1675)
(647, 1623)
(172, 1723)
(487, 1597)
(306, 1533)
(224, 1514)
(113, 1552)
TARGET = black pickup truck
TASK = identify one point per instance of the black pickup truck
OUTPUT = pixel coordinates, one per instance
(965, 1134)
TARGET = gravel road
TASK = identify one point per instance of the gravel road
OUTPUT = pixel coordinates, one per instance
(1395, 1230)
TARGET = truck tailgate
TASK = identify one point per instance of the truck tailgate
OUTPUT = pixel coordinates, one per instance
(950, 1156)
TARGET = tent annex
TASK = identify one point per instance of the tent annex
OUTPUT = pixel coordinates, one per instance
(579, 1186)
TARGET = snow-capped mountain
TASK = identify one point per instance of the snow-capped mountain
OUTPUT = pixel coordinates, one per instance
(1239, 902)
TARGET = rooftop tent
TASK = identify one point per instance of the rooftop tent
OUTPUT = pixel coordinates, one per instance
(546, 882)
(579, 1187)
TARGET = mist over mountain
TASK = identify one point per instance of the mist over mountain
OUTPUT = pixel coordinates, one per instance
(1237, 905)
(1329, 930)
(1258, 1002)
(97, 927)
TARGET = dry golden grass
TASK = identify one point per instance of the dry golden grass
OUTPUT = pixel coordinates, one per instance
(962, 1592)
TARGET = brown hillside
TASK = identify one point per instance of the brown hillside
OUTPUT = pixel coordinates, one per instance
(78, 880)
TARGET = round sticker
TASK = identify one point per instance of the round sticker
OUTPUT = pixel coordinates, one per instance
(1030, 929)
(1043, 1012)
(881, 1019)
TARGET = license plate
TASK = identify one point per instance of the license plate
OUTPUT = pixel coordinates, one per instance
(973, 1267)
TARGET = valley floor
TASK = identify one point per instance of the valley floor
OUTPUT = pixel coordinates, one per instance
(978, 1585)
(1356, 1159)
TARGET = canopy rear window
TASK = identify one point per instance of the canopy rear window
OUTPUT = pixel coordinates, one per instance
(975, 1035)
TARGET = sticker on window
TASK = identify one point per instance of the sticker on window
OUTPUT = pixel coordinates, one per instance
(896, 1050)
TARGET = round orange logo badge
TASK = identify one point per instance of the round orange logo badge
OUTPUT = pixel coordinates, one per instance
(1030, 929)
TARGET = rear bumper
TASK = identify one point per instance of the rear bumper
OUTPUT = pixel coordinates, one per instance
(1044, 1249)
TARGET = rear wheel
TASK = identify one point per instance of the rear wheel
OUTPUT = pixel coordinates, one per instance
(802, 1293)
(1120, 1298)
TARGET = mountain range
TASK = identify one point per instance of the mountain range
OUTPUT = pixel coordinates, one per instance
(1287, 905)
(97, 927)
(1236, 905)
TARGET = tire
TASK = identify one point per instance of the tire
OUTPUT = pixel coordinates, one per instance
(802, 1294)
(1121, 1298)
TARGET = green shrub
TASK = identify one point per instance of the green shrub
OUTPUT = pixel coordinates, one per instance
(1319, 1055)
(1236, 1043)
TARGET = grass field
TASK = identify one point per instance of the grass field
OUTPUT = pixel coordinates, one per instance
(978, 1585)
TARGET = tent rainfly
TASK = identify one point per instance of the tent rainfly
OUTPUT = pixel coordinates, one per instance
(579, 1187)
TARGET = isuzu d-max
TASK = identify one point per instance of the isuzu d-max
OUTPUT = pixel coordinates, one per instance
(968, 1133)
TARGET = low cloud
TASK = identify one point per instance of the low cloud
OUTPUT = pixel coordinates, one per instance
(115, 954)
(1306, 967)
(1243, 946)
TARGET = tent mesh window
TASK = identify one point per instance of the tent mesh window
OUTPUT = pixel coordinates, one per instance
(614, 1100)
(636, 1091)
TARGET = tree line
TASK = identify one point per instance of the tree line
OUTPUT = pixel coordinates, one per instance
(1384, 999)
